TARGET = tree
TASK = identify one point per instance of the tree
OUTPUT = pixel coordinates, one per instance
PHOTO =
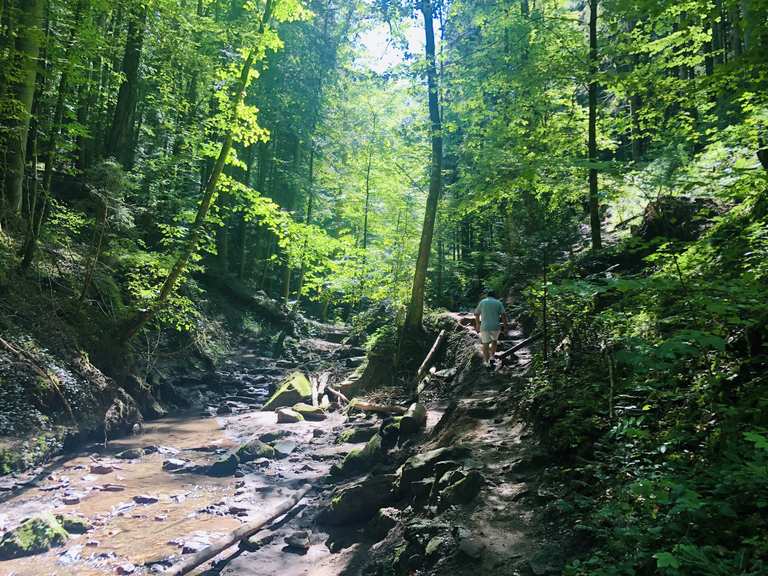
(594, 198)
(415, 312)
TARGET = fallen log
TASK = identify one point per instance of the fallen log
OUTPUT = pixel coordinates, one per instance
(241, 533)
(507, 353)
(338, 395)
(378, 408)
(425, 365)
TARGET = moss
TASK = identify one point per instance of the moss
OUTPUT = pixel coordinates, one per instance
(254, 449)
(32, 536)
(73, 524)
(356, 435)
(361, 459)
(295, 388)
(309, 412)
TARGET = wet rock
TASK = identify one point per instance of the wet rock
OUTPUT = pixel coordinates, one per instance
(224, 467)
(446, 374)
(437, 546)
(361, 459)
(269, 437)
(130, 454)
(472, 547)
(150, 449)
(295, 388)
(314, 413)
(173, 464)
(284, 448)
(110, 487)
(101, 469)
(298, 541)
(145, 499)
(360, 501)
(255, 449)
(318, 432)
(356, 435)
(92, 543)
(126, 568)
(73, 524)
(224, 409)
(72, 499)
(384, 521)
(32, 536)
(463, 491)
(288, 416)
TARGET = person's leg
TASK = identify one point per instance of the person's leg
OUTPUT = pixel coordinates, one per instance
(486, 353)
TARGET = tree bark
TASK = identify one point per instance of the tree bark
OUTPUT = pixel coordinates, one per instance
(415, 312)
(120, 138)
(28, 50)
(140, 319)
(594, 200)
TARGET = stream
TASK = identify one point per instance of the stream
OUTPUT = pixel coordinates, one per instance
(144, 515)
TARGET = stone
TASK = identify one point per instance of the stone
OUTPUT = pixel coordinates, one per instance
(145, 499)
(130, 454)
(294, 388)
(361, 459)
(422, 465)
(73, 524)
(269, 437)
(384, 521)
(110, 487)
(298, 540)
(472, 547)
(126, 568)
(101, 469)
(150, 449)
(314, 413)
(356, 435)
(92, 543)
(462, 491)
(224, 409)
(173, 464)
(360, 501)
(288, 416)
(284, 448)
(32, 536)
(255, 449)
(224, 467)
(414, 419)
(437, 546)
(72, 499)
(446, 374)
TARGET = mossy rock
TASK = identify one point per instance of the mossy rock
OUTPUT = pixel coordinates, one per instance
(33, 536)
(310, 412)
(255, 449)
(293, 389)
(356, 435)
(73, 524)
(361, 459)
(288, 416)
(462, 491)
(360, 501)
(224, 467)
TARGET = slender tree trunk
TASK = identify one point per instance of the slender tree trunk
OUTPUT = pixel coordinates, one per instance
(120, 139)
(594, 200)
(30, 26)
(140, 319)
(415, 311)
(308, 221)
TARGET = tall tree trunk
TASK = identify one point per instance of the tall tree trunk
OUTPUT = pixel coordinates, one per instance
(594, 200)
(140, 319)
(30, 26)
(415, 312)
(120, 139)
(308, 221)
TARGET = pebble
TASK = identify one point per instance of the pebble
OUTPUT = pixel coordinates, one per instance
(101, 469)
(113, 487)
(298, 540)
(145, 499)
(161, 517)
(127, 568)
(71, 499)
(92, 543)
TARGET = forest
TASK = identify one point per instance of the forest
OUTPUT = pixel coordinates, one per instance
(242, 247)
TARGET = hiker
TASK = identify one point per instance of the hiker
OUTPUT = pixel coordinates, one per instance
(490, 319)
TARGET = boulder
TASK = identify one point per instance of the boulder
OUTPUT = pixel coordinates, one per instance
(130, 454)
(255, 449)
(173, 464)
(356, 435)
(284, 448)
(414, 420)
(146, 499)
(298, 541)
(288, 416)
(315, 413)
(294, 388)
(224, 467)
(361, 459)
(32, 536)
(73, 524)
(360, 501)
(422, 465)
(269, 437)
(463, 491)
(384, 521)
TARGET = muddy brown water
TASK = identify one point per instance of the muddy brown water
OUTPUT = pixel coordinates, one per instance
(191, 509)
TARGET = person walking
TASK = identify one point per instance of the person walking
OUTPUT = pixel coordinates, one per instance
(490, 320)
